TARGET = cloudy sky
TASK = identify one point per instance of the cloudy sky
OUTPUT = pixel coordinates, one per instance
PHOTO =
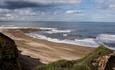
(58, 10)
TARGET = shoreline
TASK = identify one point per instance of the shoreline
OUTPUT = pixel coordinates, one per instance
(44, 50)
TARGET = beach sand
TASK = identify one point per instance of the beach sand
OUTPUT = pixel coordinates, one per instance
(43, 50)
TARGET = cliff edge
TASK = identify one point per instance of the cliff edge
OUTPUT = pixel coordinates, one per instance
(8, 54)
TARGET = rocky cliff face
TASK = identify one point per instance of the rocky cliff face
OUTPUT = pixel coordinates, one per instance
(8, 54)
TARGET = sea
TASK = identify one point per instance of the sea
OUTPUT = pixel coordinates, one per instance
(89, 34)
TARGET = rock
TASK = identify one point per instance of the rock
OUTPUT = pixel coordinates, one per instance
(105, 62)
(111, 62)
(8, 54)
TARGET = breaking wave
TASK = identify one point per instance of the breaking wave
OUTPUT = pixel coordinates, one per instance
(58, 31)
(88, 42)
(55, 30)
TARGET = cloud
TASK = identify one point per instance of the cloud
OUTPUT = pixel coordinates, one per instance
(18, 4)
(55, 1)
(74, 13)
(8, 14)
(44, 1)
(105, 4)
(13, 4)
(24, 4)
(102, 10)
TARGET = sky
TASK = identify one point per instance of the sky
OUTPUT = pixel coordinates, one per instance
(58, 10)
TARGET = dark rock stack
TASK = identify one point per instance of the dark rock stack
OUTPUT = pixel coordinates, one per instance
(8, 54)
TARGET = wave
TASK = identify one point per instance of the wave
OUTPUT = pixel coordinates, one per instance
(106, 38)
(84, 42)
(16, 27)
(58, 31)
(55, 30)
(65, 34)
(87, 42)
(44, 28)
(7, 26)
(10, 27)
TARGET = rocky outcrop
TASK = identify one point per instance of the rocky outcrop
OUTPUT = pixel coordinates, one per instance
(8, 54)
(105, 62)
(111, 63)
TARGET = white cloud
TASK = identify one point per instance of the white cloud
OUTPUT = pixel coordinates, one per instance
(13, 14)
(74, 13)
(105, 4)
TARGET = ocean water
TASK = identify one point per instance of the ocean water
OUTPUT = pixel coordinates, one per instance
(79, 33)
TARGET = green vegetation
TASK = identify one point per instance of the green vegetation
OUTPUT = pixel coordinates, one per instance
(81, 64)
(60, 65)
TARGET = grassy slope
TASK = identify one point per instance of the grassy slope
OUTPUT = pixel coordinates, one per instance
(81, 64)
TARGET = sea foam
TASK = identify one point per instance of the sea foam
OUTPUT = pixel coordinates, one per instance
(87, 42)
(82, 42)
(106, 38)
(58, 31)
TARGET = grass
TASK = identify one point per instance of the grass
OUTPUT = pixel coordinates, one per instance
(81, 64)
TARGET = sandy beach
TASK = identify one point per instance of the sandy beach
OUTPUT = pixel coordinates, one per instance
(43, 50)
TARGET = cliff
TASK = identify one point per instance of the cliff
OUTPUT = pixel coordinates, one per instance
(8, 54)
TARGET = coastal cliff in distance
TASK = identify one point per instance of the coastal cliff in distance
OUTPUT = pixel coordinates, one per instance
(8, 54)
